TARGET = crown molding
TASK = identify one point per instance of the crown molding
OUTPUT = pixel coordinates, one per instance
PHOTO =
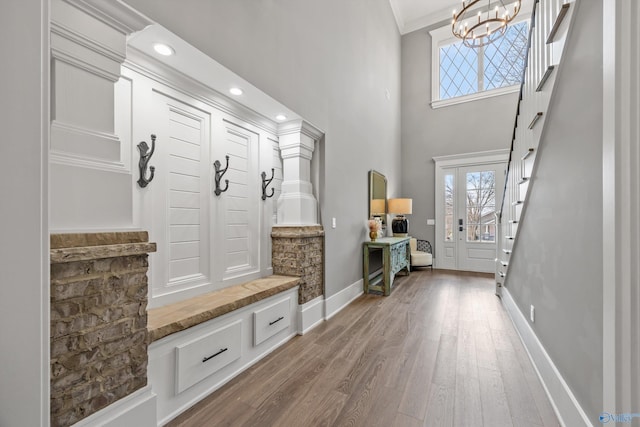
(397, 15)
(444, 15)
(427, 20)
(300, 126)
(116, 14)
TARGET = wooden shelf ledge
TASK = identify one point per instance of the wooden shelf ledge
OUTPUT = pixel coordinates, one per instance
(176, 317)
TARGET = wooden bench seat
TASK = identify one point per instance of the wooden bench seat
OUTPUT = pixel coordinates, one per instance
(176, 317)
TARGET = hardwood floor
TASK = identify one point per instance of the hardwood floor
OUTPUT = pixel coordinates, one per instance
(439, 351)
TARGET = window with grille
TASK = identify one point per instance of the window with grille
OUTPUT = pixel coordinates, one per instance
(462, 74)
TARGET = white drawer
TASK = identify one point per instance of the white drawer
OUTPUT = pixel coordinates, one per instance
(201, 357)
(270, 320)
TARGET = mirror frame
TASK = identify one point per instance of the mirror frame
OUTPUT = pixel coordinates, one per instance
(374, 177)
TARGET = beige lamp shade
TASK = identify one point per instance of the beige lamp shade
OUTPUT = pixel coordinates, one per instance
(377, 206)
(400, 206)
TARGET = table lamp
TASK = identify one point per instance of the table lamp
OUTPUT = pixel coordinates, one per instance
(400, 207)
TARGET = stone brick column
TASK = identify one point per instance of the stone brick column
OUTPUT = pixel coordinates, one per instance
(98, 321)
(299, 251)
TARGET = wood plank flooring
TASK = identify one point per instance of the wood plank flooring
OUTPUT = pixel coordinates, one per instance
(439, 351)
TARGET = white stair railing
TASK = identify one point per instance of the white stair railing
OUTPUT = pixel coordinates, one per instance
(550, 21)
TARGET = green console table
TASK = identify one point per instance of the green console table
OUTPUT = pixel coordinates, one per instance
(395, 258)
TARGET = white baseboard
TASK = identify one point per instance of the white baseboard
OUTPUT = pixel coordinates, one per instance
(567, 408)
(138, 409)
(310, 314)
(337, 302)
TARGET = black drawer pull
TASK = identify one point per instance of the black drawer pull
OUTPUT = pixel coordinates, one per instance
(276, 321)
(222, 350)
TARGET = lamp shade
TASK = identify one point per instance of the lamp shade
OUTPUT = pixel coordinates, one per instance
(400, 206)
(377, 206)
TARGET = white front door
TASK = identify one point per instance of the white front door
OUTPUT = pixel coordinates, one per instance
(466, 197)
(475, 216)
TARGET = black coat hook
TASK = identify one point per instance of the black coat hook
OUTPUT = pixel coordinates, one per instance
(145, 156)
(265, 184)
(219, 174)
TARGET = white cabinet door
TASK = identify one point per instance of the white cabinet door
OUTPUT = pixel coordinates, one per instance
(180, 208)
(237, 212)
(205, 241)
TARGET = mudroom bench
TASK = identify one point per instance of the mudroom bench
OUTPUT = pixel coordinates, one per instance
(199, 344)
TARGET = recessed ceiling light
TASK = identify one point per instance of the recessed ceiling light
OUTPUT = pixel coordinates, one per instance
(236, 91)
(281, 117)
(163, 49)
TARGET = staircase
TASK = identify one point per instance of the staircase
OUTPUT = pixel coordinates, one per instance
(550, 22)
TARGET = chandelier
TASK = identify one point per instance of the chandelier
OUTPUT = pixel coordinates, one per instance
(481, 22)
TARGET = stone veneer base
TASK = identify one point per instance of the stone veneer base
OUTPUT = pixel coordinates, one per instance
(299, 251)
(98, 321)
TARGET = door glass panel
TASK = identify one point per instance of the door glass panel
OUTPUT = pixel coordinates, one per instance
(480, 206)
(448, 207)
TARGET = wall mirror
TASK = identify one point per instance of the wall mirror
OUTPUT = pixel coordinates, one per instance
(378, 196)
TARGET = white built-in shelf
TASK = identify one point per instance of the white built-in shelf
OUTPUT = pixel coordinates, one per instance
(556, 25)
(504, 263)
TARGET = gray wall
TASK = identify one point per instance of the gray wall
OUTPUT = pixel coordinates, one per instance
(331, 62)
(426, 133)
(557, 262)
(24, 253)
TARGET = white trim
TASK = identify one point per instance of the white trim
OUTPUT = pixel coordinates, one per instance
(310, 315)
(337, 302)
(138, 408)
(397, 14)
(62, 158)
(621, 206)
(477, 158)
(93, 45)
(429, 19)
(45, 266)
(564, 403)
(300, 126)
(115, 14)
(609, 271)
(440, 103)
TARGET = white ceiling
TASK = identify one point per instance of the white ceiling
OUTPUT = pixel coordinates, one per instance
(412, 15)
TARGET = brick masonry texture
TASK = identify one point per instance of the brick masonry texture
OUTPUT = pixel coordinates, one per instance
(299, 251)
(99, 334)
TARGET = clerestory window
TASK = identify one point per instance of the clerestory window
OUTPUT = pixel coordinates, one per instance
(462, 74)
